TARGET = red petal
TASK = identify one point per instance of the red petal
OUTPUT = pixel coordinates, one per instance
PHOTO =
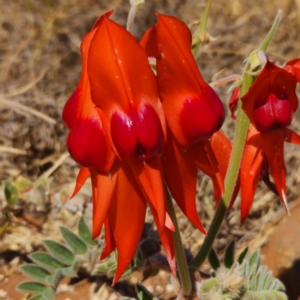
(206, 161)
(222, 148)
(234, 101)
(293, 67)
(82, 176)
(110, 243)
(88, 145)
(291, 137)
(119, 72)
(272, 144)
(180, 173)
(126, 217)
(250, 170)
(186, 97)
(103, 193)
(272, 80)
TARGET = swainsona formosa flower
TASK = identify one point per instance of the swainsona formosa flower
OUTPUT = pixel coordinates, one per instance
(270, 105)
(119, 115)
(194, 113)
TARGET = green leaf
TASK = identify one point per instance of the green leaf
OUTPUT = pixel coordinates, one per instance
(144, 294)
(76, 243)
(49, 294)
(55, 279)
(229, 255)
(11, 193)
(213, 259)
(72, 270)
(85, 232)
(35, 272)
(46, 260)
(242, 255)
(60, 252)
(32, 287)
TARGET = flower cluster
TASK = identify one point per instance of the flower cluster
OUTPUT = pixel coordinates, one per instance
(270, 105)
(133, 132)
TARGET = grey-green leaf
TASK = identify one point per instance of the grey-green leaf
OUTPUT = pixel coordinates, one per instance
(38, 297)
(11, 193)
(85, 232)
(60, 252)
(76, 243)
(213, 259)
(144, 294)
(55, 279)
(32, 287)
(35, 272)
(229, 255)
(46, 260)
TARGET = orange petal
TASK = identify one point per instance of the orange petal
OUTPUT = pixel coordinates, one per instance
(206, 161)
(82, 176)
(272, 144)
(250, 170)
(109, 240)
(149, 177)
(187, 98)
(222, 148)
(291, 136)
(126, 217)
(119, 72)
(180, 172)
(103, 190)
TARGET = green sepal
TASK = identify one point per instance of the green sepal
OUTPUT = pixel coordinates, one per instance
(213, 259)
(229, 255)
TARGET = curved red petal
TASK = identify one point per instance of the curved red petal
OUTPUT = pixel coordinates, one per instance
(150, 179)
(109, 240)
(293, 67)
(291, 137)
(180, 173)
(186, 97)
(222, 148)
(250, 170)
(272, 144)
(272, 80)
(103, 194)
(126, 217)
(83, 175)
(119, 72)
(206, 161)
(88, 145)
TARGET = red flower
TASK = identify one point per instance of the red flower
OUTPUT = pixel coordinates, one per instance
(270, 105)
(117, 132)
(193, 113)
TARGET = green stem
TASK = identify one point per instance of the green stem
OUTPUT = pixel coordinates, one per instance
(201, 29)
(182, 267)
(236, 156)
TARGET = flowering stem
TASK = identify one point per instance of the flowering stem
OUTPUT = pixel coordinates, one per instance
(182, 267)
(201, 29)
(236, 156)
(131, 15)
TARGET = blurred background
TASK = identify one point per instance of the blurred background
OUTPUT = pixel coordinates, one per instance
(40, 68)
